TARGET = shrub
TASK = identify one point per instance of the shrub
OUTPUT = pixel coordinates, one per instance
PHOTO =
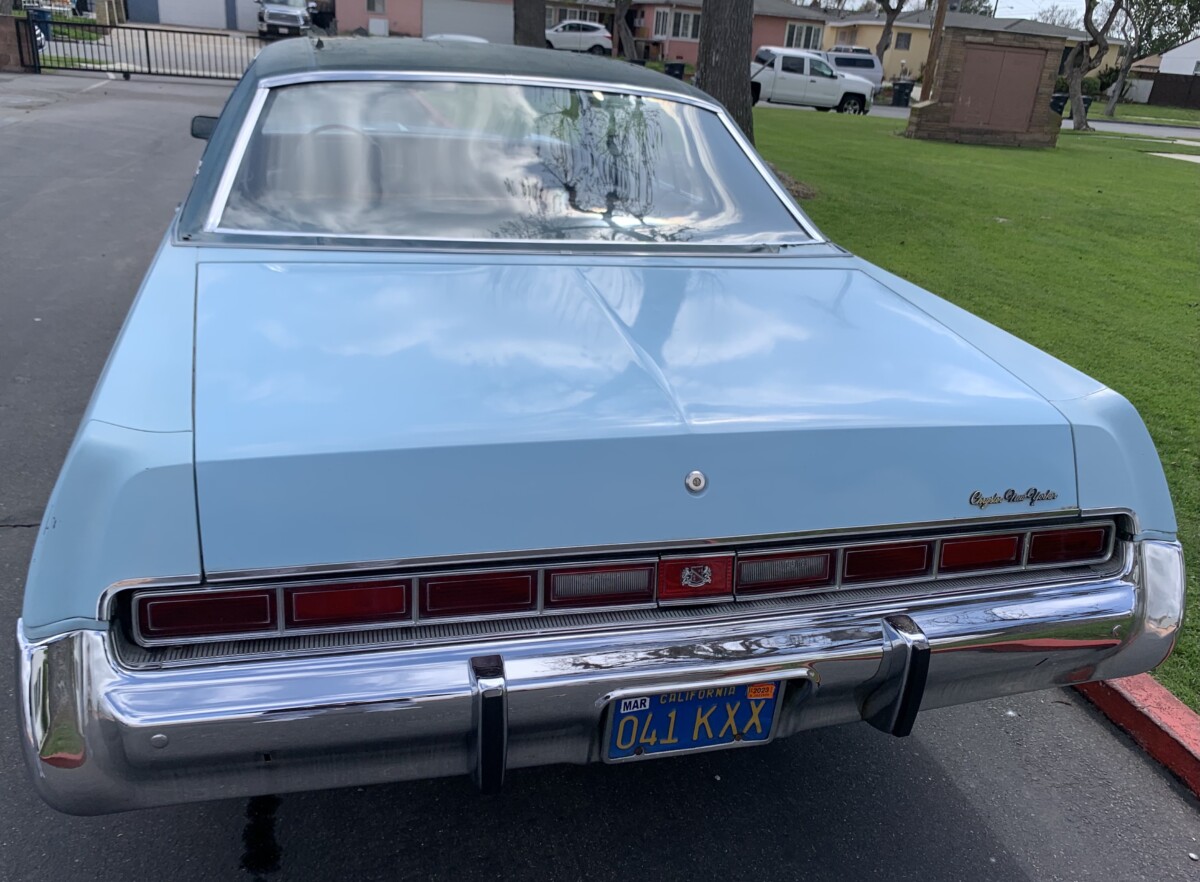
(1107, 77)
(1091, 86)
(1061, 85)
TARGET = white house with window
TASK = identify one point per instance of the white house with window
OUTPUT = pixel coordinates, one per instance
(1183, 60)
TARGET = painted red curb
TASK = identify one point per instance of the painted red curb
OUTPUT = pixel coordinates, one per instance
(1164, 726)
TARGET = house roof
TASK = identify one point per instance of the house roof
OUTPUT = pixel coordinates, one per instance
(777, 8)
(489, 59)
(924, 18)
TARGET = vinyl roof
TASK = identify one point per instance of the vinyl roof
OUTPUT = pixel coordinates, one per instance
(404, 54)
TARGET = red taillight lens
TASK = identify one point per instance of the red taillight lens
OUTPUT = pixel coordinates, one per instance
(980, 553)
(478, 594)
(707, 577)
(1068, 545)
(203, 614)
(870, 563)
(599, 586)
(347, 603)
(783, 572)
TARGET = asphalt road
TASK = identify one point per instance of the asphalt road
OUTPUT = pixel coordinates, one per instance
(1035, 787)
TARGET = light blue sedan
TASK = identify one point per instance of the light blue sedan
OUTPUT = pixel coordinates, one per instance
(488, 408)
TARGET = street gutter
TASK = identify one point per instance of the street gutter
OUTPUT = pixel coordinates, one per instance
(1161, 724)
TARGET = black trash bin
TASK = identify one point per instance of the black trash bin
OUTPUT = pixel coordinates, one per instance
(902, 92)
(41, 20)
(674, 69)
(1060, 100)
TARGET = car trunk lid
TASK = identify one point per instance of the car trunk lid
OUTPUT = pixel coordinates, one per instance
(396, 411)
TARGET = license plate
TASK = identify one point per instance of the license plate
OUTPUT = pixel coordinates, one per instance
(691, 720)
(279, 30)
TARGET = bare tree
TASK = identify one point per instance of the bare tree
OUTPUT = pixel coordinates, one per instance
(1062, 16)
(723, 63)
(1086, 55)
(891, 11)
(622, 36)
(529, 22)
(1147, 27)
(973, 7)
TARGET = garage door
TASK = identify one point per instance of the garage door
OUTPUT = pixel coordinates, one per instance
(478, 18)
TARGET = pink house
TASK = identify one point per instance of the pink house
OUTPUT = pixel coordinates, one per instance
(665, 29)
(671, 30)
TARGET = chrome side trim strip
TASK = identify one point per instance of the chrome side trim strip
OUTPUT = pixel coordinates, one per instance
(632, 548)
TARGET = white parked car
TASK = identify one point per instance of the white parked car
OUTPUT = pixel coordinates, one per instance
(580, 36)
(856, 63)
(798, 76)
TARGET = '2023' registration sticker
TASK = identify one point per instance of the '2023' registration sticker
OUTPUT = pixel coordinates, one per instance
(692, 719)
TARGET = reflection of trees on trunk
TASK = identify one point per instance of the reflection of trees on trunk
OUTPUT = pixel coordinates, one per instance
(598, 153)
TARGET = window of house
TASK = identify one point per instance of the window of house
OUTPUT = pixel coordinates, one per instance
(376, 5)
(662, 19)
(903, 41)
(803, 36)
(549, 17)
(686, 26)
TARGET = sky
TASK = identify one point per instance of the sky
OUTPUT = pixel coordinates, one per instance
(1026, 8)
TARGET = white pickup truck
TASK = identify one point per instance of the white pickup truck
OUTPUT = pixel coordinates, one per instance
(794, 76)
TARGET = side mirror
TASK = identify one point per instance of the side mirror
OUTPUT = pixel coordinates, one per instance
(202, 127)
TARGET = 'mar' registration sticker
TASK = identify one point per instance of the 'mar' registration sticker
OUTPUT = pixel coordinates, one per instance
(632, 705)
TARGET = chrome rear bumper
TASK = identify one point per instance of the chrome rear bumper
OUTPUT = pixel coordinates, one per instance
(102, 738)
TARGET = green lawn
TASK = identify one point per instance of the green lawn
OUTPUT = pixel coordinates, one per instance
(1151, 113)
(1089, 251)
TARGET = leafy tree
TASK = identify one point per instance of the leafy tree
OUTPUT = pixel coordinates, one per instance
(726, 28)
(1148, 27)
(529, 22)
(1086, 55)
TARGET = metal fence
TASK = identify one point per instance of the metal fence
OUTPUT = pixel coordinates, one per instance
(70, 44)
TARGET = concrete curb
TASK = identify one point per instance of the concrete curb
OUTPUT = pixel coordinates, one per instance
(1166, 728)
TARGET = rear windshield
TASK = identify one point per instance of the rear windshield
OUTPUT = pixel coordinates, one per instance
(473, 161)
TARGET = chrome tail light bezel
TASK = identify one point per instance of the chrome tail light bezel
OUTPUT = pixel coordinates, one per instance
(125, 609)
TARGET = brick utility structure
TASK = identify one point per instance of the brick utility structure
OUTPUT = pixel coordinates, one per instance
(992, 87)
(10, 55)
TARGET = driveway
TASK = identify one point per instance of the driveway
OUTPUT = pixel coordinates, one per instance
(1034, 787)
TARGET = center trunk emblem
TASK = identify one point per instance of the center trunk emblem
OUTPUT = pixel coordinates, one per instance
(695, 481)
(696, 577)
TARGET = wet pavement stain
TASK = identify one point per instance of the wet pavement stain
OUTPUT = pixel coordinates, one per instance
(261, 854)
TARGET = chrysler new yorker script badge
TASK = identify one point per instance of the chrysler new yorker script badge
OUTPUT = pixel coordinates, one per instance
(1032, 496)
(696, 577)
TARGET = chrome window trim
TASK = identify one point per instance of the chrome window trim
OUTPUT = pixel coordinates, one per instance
(233, 161)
